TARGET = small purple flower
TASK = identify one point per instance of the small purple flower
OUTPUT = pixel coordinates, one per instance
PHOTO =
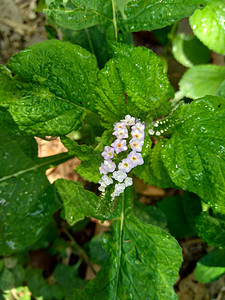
(108, 152)
(109, 166)
(135, 158)
(119, 175)
(136, 144)
(119, 145)
(125, 165)
(121, 133)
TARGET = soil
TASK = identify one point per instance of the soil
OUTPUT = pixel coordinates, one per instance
(20, 27)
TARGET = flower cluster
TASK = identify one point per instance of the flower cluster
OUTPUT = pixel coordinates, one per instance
(123, 155)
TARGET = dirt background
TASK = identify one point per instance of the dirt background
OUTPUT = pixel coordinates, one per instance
(20, 27)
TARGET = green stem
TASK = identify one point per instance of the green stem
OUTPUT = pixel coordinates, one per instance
(80, 251)
(120, 244)
(115, 19)
(90, 41)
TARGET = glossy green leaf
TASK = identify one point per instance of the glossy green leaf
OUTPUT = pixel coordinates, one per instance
(95, 251)
(79, 202)
(52, 90)
(153, 171)
(194, 155)
(26, 197)
(90, 159)
(143, 261)
(189, 51)
(79, 14)
(181, 212)
(149, 214)
(211, 228)
(133, 82)
(211, 266)
(93, 39)
(151, 14)
(203, 80)
(208, 25)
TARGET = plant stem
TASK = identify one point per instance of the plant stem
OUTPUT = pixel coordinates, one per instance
(80, 251)
(115, 19)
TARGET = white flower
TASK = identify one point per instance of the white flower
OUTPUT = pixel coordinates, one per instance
(121, 133)
(119, 125)
(135, 158)
(136, 144)
(119, 189)
(102, 169)
(137, 134)
(125, 166)
(139, 126)
(119, 145)
(129, 120)
(119, 175)
(109, 166)
(128, 181)
(107, 180)
(108, 152)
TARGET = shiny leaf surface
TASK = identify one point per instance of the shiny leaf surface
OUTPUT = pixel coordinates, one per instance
(151, 14)
(208, 25)
(194, 155)
(211, 266)
(203, 80)
(52, 87)
(143, 261)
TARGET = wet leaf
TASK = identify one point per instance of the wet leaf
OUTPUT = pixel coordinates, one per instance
(142, 260)
(52, 88)
(203, 80)
(210, 267)
(208, 25)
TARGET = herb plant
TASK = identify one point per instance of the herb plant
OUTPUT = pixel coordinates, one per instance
(96, 79)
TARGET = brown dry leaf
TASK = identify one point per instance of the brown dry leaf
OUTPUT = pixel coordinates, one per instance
(190, 289)
(64, 170)
(147, 190)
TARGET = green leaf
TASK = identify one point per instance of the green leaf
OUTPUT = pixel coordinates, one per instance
(26, 197)
(208, 25)
(79, 14)
(189, 51)
(95, 251)
(52, 90)
(91, 159)
(210, 267)
(194, 155)
(133, 82)
(211, 228)
(93, 39)
(149, 214)
(221, 90)
(153, 171)
(79, 202)
(203, 80)
(151, 14)
(143, 261)
(181, 212)
(6, 280)
(37, 284)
